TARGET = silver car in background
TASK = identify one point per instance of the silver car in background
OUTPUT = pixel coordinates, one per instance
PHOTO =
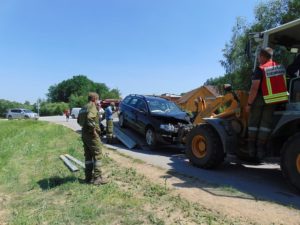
(21, 114)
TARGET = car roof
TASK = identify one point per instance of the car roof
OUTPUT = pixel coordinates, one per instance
(148, 97)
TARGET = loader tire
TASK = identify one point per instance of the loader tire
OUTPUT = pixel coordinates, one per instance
(204, 148)
(290, 160)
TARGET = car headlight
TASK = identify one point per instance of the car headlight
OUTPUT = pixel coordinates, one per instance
(168, 127)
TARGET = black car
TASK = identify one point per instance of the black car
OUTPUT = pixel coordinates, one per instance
(157, 118)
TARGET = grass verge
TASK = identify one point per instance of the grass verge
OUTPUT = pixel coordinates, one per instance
(36, 188)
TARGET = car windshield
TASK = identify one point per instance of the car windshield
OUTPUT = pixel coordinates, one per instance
(28, 111)
(162, 106)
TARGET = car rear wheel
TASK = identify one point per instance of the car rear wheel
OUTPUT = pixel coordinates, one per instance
(204, 148)
(10, 117)
(151, 139)
(290, 160)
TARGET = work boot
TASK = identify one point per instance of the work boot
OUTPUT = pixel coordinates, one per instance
(251, 148)
(100, 181)
(88, 178)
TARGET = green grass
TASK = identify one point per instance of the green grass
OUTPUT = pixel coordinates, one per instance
(41, 190)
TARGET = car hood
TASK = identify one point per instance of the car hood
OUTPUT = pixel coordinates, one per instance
(172, 117)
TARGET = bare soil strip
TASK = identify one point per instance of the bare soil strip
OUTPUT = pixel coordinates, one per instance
(245, 209)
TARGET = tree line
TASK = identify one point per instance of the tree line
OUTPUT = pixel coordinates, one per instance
(67, 94)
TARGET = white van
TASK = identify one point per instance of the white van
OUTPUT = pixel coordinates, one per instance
(75, 112)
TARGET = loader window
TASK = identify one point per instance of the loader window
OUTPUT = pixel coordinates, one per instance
(295, 90)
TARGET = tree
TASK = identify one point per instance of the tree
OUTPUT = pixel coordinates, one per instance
(267, 15)
(293, 11)
(76, 89)
(78, 101)
(51, 109)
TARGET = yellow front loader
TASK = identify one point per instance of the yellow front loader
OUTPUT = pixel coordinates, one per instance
(220, 125)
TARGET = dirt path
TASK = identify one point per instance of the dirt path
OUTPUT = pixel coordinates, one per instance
(4, 200)
(243, 209)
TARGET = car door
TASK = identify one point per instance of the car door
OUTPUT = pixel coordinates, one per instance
(16, 114)
(131, 113)
(21, 114)
(141, 115)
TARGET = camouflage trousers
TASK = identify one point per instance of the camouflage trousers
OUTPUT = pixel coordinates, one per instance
(109, 128)
(93, 154)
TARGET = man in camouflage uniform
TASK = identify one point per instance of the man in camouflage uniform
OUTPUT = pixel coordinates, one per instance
(91, 142)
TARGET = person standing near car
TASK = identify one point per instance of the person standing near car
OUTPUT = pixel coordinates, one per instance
(89, 119)
(101, 115)
(268, 89)
(67, 113)
(109, 121)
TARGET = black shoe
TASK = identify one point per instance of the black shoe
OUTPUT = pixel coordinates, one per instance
(88, 180)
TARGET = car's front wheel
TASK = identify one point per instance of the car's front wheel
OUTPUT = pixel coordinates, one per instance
(151, 139)
(10, 117)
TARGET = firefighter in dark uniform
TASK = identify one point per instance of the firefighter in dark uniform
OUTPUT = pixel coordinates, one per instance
(267, 90)
(92, 143)
(109, 121)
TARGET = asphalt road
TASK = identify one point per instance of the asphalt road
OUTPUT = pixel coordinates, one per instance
(263, 181)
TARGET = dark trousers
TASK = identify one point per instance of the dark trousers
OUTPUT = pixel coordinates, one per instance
(260, 122)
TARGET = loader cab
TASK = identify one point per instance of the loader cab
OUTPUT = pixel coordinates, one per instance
(285, 40)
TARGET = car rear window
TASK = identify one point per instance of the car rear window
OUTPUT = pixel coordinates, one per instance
(133, 102)
(126, 100)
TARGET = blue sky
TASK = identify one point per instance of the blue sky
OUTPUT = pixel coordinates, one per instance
(137, 46)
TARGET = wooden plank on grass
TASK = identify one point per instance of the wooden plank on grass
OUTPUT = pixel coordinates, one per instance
(69, 164)
(75, 160)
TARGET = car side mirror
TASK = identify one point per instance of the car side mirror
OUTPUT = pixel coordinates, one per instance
(143, 111)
